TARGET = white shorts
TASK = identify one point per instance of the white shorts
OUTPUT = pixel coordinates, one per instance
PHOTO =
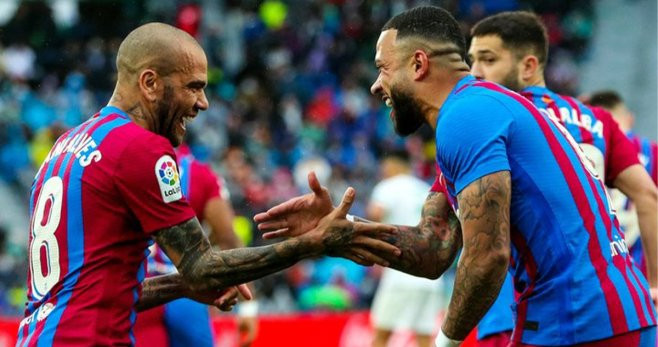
(414, 309)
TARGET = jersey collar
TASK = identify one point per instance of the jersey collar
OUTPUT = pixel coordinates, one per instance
(108, 110)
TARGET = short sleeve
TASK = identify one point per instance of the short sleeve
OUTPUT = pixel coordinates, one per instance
(621, 153)
(148, 181)
(471, 139)
(211, 183)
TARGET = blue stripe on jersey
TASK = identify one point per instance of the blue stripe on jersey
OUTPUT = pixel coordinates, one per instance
(75, 233)
(185, 166)
(48, 174)
(141, 272)
(645, 149)
(633, 274)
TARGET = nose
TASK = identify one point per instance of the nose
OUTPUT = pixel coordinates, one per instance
(202, 102)
(476, 70)
(376, 86)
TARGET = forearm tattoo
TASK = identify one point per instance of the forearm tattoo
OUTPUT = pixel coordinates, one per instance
(205, 269)
(160, 290)
(429, 248)
(485, 218)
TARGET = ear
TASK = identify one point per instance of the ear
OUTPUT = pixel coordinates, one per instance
(421, 64)
(149, 81)
(528, 67)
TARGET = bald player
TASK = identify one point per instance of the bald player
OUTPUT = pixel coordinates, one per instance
(111, 185)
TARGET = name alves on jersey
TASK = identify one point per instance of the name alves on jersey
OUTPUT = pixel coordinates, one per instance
(81, 145)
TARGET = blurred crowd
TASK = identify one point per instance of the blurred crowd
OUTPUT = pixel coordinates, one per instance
(288, 91)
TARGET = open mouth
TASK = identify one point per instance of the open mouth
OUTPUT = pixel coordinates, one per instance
(388, 102)
(184, 121)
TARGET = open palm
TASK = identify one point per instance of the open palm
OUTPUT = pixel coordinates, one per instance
(297, 215)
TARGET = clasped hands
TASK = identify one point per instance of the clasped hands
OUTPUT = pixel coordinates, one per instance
(312, 217)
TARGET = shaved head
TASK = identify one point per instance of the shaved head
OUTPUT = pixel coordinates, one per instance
(156, 46)
(162, 73)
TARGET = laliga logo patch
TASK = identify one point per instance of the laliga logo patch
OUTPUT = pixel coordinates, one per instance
(168, 179)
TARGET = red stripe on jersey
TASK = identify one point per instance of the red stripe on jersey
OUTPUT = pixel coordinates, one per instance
(70, 308)
(586, 136)
(613, 301)
(531, 269)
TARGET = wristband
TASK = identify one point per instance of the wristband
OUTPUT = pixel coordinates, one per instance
(248, 308)
(349, 217)
(443, 341)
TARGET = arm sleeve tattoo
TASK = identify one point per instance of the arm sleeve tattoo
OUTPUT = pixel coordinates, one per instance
(160, 290)
(206, 269)
(429, 248)
(485, 219)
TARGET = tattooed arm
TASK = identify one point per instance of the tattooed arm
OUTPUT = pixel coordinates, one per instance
(429, 248)
(205, 269)
(485, 219)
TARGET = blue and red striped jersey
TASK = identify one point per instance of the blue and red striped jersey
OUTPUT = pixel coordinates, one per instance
(105, 186)
(570, 264)
(199, 185)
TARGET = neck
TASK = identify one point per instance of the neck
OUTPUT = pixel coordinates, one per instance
(435, 97)
(134, 108)
(536, 80)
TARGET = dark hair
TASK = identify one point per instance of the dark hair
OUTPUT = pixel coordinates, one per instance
(605, 98)
(429, 23)
(519, 30)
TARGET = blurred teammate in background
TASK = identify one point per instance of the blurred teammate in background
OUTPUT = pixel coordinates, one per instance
(402, 301)
(111, 184)
(511, 48)
(210, 200)
(648, 154)
(521, 188)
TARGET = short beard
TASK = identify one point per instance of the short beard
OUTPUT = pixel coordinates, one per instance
(165, 116)
(511, 81)
(408, 115)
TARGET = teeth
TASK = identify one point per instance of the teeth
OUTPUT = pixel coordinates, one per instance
(389, 102)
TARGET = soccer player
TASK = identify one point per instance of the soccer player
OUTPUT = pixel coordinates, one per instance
(402, 301)
(511, 48)
(648, 152)
(209, 198)
(522, 188)
(111, 184)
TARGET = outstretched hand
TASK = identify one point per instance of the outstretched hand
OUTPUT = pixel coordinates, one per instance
(297, 215)
(360, 242)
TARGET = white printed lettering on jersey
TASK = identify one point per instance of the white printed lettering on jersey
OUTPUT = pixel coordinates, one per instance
(166, 172)
(81, 145)
(595, 157)
(618, 246)
(570, 116)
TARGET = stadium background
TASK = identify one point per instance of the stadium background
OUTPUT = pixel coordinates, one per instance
(288, 89)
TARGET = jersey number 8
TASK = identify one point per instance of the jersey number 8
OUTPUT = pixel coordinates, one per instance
(45, 221)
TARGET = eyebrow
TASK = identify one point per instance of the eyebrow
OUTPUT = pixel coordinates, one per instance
(197, 84)
(483, 51)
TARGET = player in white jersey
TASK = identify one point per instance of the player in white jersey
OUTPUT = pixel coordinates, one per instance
(402, 301)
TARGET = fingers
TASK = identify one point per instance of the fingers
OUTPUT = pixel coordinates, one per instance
(285, 207)
(245, 291)
(368, 257)
(355, 258)
(346, 203)
(285, 232)
(314, 183)
(262, 217)
(379, 246)
(273, 225)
